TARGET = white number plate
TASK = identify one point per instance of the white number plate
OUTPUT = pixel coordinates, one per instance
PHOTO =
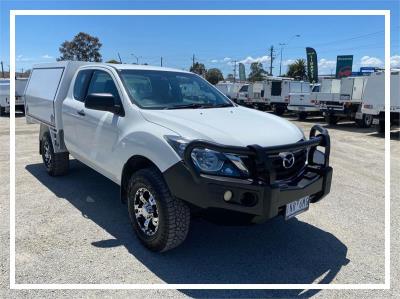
(375, 121)
(296, 207)
(359, 115)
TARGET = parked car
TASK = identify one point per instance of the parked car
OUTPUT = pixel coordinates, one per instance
(174, 144)
(302, 100)
(20, 84)
(230, 89)
(374, 99)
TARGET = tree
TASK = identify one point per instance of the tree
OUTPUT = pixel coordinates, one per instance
(113, 61)
(257, 72)
(198, 68)
(83, 47)
(297, 69)
(230, 77)
(214, 76)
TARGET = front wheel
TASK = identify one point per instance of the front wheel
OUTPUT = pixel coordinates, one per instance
(365, 121)
(160, 221)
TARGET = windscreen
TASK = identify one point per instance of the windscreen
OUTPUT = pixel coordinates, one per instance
(151, 89)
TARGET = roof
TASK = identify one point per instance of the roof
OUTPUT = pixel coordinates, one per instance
(114, 65)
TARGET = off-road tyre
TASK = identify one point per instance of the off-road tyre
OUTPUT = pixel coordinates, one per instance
(56, 164)
(173, 214)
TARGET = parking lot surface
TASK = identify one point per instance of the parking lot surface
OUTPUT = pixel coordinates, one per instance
(73, 229)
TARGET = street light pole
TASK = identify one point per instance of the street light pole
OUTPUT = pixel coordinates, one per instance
(282, 45)
(137, 58)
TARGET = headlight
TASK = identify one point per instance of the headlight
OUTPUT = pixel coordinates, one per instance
(208, 161)
(216, 163)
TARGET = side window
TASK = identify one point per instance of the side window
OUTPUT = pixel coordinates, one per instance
(81, 82)
(102, 82)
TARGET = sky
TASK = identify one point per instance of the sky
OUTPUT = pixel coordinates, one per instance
(216, 41)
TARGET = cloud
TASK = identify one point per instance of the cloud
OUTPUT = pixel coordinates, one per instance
(370, 61)
(395, 61)
(326, 64)
(287, 62)
(22, 58)
(214, 61)
(250, 59)
(226, 59)
(47, 56)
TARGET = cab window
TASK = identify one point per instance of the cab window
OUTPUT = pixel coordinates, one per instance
(81, 83)
(102, 82)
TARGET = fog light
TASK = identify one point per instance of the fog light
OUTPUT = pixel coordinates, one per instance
(228, 195)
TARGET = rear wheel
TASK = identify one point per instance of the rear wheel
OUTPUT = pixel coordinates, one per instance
(56, 163)
(302, 115)
(160, 221)
(279, 109)
(365, 121)
(331, 119)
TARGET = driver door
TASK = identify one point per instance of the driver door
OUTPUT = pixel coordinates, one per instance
(100, 134)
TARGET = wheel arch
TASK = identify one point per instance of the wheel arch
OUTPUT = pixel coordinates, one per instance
(133, 164)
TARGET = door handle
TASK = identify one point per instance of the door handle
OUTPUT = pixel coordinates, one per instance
(81, 112)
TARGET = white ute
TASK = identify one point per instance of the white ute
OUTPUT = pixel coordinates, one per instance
(174, 145)
(20, 84)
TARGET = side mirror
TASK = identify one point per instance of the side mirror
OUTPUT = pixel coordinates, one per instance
(102, 102)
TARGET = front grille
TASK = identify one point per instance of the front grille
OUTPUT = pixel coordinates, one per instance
(282, 173)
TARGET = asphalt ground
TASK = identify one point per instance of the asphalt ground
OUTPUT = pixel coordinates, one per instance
(73, 229)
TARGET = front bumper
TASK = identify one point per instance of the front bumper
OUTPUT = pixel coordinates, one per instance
(262, 196)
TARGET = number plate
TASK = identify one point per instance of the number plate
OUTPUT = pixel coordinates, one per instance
(302, 108)
(375, 121)
(296, 207)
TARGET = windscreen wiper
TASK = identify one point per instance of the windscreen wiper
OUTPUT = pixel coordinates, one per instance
(198, 106)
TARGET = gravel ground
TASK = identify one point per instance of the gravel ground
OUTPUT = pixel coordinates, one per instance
(73, 229)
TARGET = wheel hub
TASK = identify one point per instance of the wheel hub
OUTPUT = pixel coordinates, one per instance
(146, 212)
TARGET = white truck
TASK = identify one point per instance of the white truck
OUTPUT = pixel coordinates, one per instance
(300, 100)
(230, 89)
(173, 149)
(276, 93)
(20, 84)
(347, 104)
(243, 95)
(256, 97)
(374, 99)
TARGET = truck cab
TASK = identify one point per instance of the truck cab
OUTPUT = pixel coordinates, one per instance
(175, 145)
(300, 100)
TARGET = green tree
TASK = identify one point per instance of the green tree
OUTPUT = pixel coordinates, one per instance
(198, 68)
(214, 76)
(113, 61)
(83, 47)
(230, 77)
(297, 69)
(257, 72)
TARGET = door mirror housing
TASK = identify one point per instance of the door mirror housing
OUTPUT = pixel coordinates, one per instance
(103, 102)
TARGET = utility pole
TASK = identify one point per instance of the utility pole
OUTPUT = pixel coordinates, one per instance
(234, 71)
(193, 59)
(161, 61)
(280, 64)
(120, 60)
(271, 54)
(2, 69)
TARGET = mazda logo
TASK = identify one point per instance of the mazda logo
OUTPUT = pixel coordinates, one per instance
(287, 159)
